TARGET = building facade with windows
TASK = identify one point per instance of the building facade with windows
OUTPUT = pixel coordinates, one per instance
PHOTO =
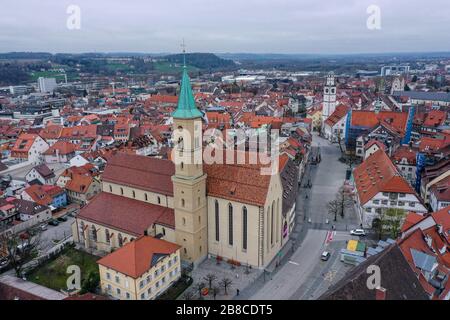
(380, 186)
(140, 270)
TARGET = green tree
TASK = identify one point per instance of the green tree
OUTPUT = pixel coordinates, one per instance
(394, 220)
(91, 283)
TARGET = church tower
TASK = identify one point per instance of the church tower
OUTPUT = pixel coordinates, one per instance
(329, 97)
(189, 181)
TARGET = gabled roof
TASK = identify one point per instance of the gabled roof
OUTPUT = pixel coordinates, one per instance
(397, 278)
(337, 115)
(24, 142)
(79, 183)
(372, 142)
(442, 217)
(370, 119)
(378, 174)
(62, 148)
(138, 256)
(435, 118)
(44, 171)
(124, 214)
(146, 173)
(404, 152)
(238, 182)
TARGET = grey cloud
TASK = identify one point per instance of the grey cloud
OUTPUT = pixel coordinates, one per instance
(284, 26)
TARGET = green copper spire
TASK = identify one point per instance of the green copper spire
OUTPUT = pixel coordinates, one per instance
(186, 108)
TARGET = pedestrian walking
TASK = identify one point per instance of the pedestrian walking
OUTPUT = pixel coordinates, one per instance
(237, 292)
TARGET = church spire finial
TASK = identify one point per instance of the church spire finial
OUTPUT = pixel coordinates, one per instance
(183, 45)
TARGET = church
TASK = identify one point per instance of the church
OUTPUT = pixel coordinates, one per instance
(225, 211)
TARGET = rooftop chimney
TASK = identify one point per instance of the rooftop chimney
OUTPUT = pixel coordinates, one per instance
(380, 293)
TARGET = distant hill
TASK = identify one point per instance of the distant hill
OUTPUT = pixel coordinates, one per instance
(202, 60)
(25, 55)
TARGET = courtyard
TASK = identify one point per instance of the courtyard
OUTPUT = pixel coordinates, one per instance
(239, 277)
(53, 272)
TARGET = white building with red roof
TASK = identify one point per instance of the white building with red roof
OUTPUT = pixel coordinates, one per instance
(379, 186)
(334, 125)
(29, 147)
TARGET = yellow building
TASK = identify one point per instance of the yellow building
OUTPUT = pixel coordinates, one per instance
(140, 270)
(316, 116)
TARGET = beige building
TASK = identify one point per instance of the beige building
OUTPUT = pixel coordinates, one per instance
(140, 270)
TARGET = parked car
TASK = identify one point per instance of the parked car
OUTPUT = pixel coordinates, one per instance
(4, 262)
(358, 232)
(325, 256)
(53, 222)
(62, 219)
(43, 227)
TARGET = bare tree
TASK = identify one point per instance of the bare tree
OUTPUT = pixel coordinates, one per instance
(342, 201)
(210, 278)
(188, 295)
(225, 283)
(20, 248)
(199, 287)
(215, 291)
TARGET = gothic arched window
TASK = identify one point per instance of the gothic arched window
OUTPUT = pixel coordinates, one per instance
(216, 213)
(244, 228)
(230, 224)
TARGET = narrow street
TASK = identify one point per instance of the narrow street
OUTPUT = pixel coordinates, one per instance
(305, 275)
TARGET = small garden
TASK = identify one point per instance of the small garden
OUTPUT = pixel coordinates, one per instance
(176, 289)
(52, 273)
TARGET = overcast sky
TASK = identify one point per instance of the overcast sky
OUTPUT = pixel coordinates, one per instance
(258, 26)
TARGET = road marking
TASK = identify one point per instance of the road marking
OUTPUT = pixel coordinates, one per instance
(293, 262)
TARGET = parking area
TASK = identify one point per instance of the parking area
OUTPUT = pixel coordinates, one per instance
(55, 234)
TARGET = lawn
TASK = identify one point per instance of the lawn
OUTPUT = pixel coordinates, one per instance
(52, 274)
(47, 74)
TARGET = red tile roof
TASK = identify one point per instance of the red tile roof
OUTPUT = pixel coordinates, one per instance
(62, 147)
(51, 132)
(428, 144)
(442, 217)
(241, 183)
(24, 143)
(372, 142)
(146, 173)
(164, 99)
(378, 174)
(79, 183)
(337, 115)
(370, 119)
(79, 132)
(405, 152)
(125, 214)
(43, 195)
(139, 256)
(435, 118)
(411, 219)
